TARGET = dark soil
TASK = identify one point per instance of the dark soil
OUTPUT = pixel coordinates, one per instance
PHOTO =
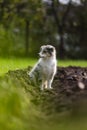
(71, 81)
(69, 90)
(70, 87)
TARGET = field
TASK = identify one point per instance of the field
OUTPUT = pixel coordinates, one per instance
(18, 63)
(22, 106)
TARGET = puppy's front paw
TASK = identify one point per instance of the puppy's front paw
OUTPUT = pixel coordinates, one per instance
(30, 75)
(42, 88)
(51, 88)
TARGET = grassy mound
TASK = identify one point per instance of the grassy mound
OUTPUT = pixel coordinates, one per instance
(24, 107)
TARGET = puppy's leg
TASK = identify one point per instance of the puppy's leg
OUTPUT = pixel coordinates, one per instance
(32, 79)
(44, 84)
(33, 74)
(49, 82)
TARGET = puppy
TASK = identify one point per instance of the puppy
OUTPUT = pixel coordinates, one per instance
(45, 67)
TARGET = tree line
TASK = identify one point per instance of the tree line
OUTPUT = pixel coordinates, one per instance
(27, 24)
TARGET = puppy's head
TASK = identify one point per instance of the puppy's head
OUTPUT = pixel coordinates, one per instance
(47, 51)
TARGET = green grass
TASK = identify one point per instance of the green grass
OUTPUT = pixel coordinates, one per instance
(18, 63)
(81, 63)
(14, 64)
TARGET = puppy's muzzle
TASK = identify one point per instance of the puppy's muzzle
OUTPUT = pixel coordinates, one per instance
(41, 56)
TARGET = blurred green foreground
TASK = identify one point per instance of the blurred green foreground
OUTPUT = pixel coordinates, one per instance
(21, 107)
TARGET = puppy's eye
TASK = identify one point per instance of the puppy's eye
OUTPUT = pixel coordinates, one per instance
(51, 49)
(44, 51)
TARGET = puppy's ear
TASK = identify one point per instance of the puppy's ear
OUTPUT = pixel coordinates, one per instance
(54, 48)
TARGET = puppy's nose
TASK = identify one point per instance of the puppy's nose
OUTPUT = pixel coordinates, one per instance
(39, 55)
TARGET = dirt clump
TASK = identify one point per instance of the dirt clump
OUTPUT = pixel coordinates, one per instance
(71, 80)
(70, 88)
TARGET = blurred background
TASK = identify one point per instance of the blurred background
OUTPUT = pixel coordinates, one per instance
(25, 25)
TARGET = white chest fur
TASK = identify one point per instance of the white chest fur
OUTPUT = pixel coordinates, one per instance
(48, 66)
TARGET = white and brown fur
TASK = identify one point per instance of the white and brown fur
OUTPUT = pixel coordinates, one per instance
(45, 67)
